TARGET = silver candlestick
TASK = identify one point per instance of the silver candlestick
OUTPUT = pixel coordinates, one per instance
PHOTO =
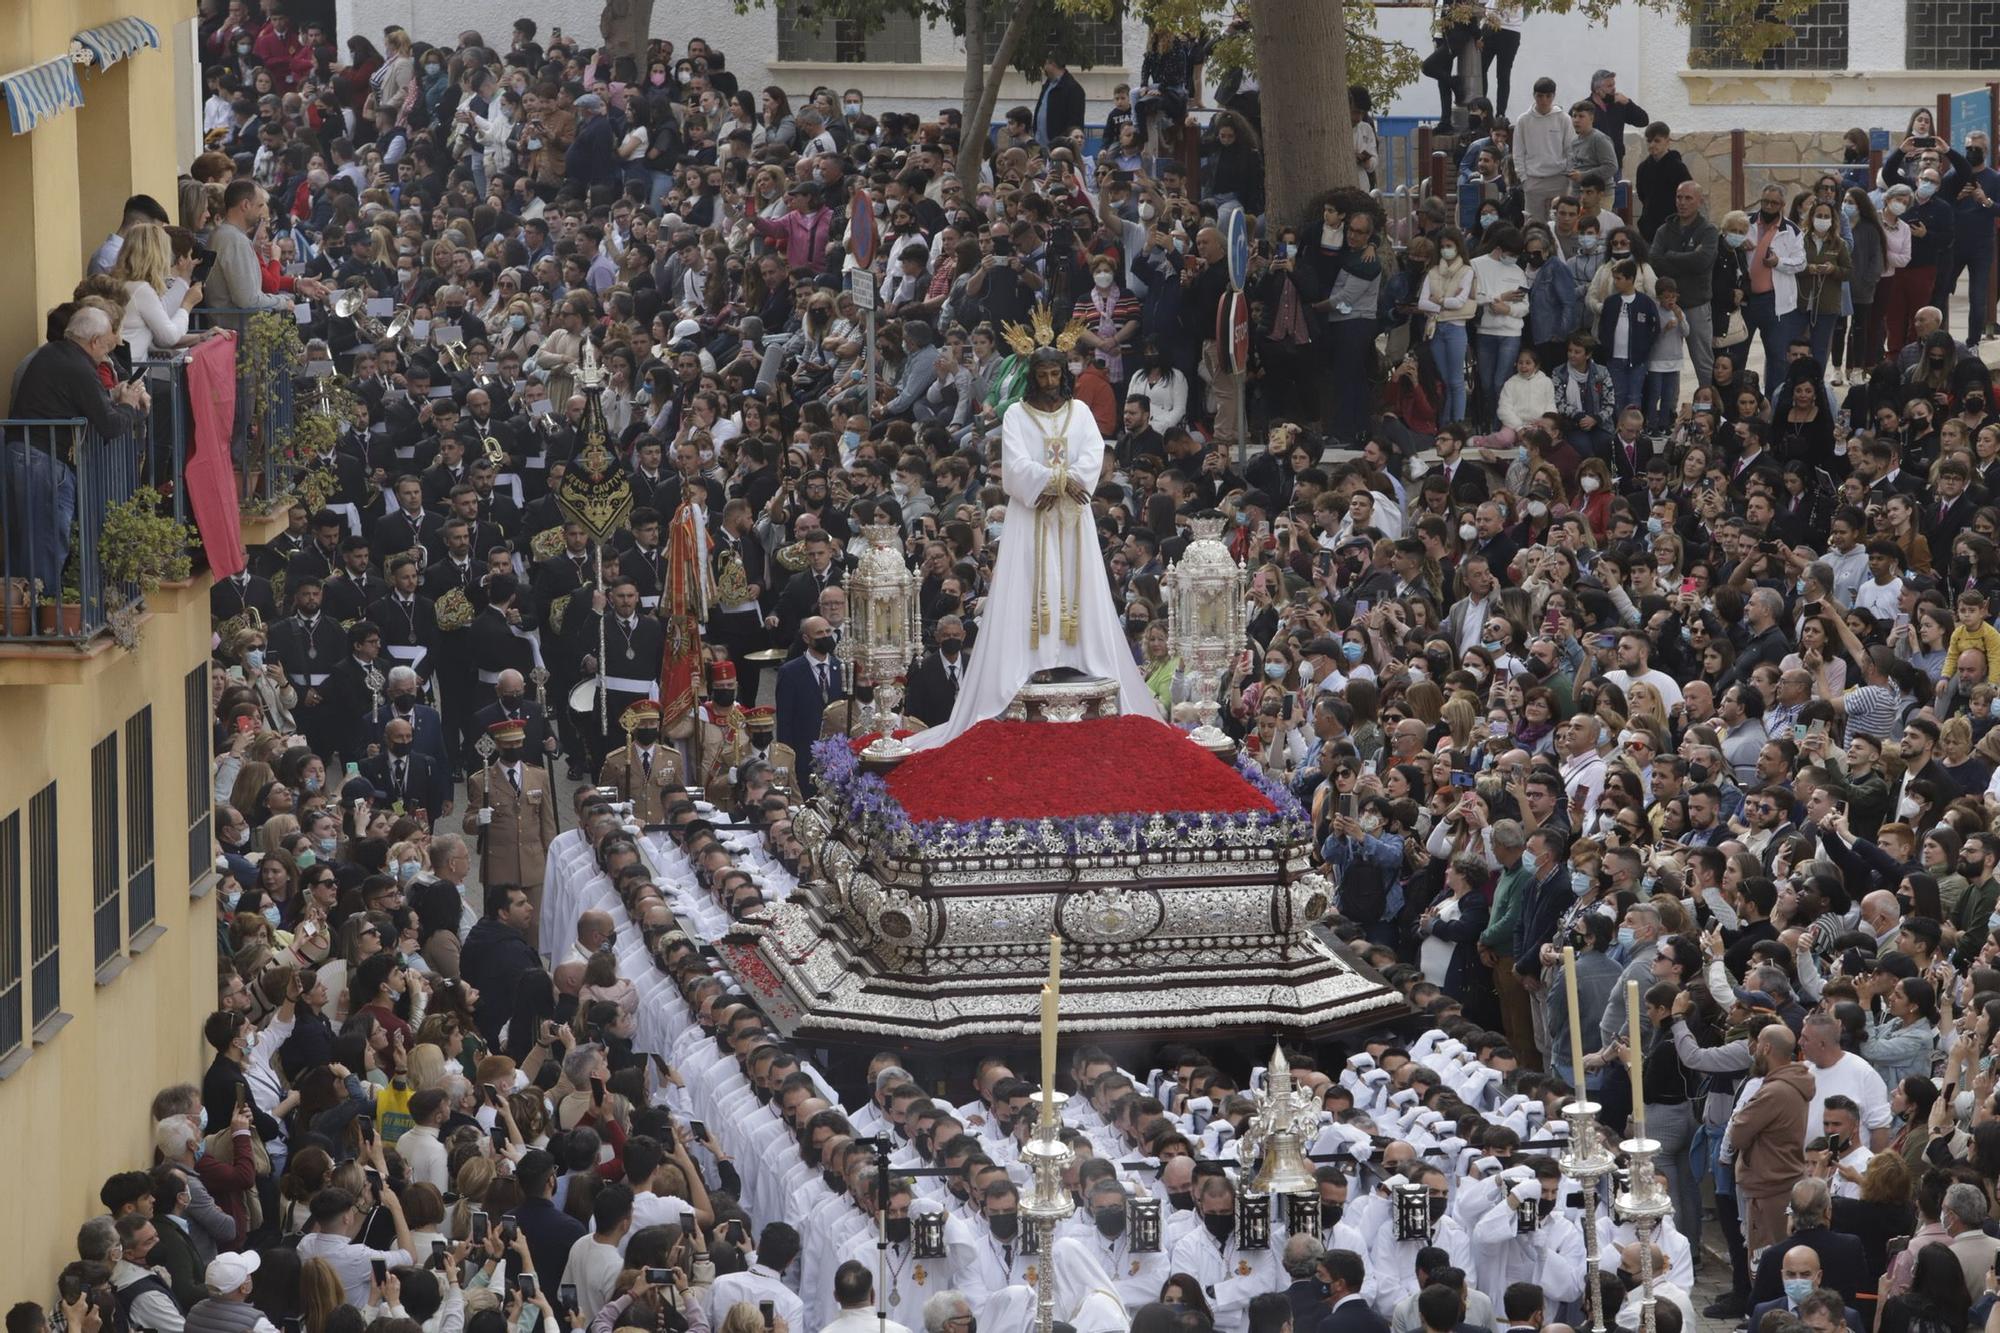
(1048, 1201)
(1588, 1160)
(1643, 1204)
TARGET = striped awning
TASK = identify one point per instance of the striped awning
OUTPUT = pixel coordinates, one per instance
(118, 39)
(40, 91)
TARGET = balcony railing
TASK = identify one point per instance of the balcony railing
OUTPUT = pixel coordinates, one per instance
(58, 478)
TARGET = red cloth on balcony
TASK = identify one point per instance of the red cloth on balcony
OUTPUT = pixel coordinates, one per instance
(210, 475)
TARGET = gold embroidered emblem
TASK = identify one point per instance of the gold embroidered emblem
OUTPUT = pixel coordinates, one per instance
(1032, 1277)
(921, 1279)
(1135, 1268)
(1243, 1268)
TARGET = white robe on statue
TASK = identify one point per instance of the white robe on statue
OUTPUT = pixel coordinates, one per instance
(1005, 656)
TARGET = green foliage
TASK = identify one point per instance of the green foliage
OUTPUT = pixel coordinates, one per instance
(141, 545)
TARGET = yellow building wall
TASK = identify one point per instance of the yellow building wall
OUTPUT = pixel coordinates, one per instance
(75, 1110)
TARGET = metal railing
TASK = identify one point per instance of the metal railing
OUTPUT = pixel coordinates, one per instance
(262, 473)
(57, 479)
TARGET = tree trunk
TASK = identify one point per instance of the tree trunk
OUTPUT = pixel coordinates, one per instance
(1302, 72)
(982, 83)
(625, 25)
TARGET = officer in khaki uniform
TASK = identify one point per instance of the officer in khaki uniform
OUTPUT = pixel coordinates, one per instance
(764, 747)
(721, 738)
(644, 770)
(511, 808)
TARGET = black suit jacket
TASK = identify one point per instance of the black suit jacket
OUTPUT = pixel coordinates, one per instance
(313, 560)
(1625, 471)
(932, 694)
(1469, 485)
(348, 597)
(414, 626)
(1842, 1261)
(1064, 102)
(534, 722)
(496, 648)
(231, 598)
(801, 599)
(397, 532)
(1353, 1317)
(349, 703)
(1307, 1308)
(427, 786)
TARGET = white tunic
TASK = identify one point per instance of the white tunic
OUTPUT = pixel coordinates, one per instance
(1032, 445)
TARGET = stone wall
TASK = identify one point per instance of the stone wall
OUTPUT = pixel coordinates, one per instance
(1707, 156)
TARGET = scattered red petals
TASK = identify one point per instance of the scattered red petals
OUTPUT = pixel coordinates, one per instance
(1064, 770)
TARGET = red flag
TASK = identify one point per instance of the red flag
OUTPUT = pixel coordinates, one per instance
(683, 608)
(210, 474)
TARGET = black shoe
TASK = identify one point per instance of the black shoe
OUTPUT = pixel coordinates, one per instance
(1734, 1305)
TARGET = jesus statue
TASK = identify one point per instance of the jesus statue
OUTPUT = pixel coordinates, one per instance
(1050, 604)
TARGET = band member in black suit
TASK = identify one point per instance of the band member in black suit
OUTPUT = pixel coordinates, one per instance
(408, 619)
(232, 596)
(348, 597)
(409, 526)
(561, 588)
(308, 643)
(802, 590)
(320, 557)
(348, 695)
(634, 644)
(741, 585)
(496, 644)
(646, 563)
(455, 585)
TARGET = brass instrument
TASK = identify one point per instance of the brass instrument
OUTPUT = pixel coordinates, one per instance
(495, 455)
(452, 356)
(397, 335)
(352, 303)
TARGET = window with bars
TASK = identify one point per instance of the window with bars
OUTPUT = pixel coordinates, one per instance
(1818, 41)
(139, 820)
(44, 909)
(803, 35)
(107, 878)
(1096, 41)
(200, 794)
(1950, 34)
(12, 1033)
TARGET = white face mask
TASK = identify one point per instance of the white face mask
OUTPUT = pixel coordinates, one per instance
(1589, 483)
(1103, 278)
(1147, 212)
(1447, 252)
(1896, 207)
(1822, 225)
(1466, 532)
(1536, 509)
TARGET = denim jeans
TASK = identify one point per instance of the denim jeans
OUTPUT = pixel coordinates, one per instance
(1662, 398)
(1496, 362)
(1628, 382)
(1448, 355)
(41, 504)
(1760, 312)
(1672, 1126)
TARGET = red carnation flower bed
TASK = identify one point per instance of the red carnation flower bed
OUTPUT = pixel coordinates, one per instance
(1066, 770)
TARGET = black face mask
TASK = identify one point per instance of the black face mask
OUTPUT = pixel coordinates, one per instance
(509, 702)
(950, 647)
(762, 739)
(510, 754)
(1220, 1225)
(897, 1230)
(724, 698)
(834, 1183)
(1110, 1222)
(646, 736)
(958, 1190)
(1975, 157)
(405, 703)
(1329, 1214)
(1437, 1207)
(823, 644)
(1005, 1226)
(1180, 1200)
(399, 748)
(1542, 1206)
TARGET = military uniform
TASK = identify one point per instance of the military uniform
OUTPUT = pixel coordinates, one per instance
(514, 842)
(625, 769)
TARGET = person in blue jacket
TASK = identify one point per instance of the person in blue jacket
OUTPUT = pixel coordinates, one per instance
(1626, 328)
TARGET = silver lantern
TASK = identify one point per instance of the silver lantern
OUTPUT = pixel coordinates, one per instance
(884, 631)
(1205, 620)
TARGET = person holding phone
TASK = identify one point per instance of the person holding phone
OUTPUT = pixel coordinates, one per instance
(336, 1219)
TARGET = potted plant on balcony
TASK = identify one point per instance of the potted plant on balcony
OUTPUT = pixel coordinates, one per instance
(59, 613)
(138, 548)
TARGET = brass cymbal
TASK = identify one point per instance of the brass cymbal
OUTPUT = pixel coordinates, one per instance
(765, 655)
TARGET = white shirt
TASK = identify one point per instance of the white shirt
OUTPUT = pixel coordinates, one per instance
(1669, 688)
(593, 1269)
(425, 1156)
(754, 1284)
(1853, 1077)
(1586, 771)
(349, 1261)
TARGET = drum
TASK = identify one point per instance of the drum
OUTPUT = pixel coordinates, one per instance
(583, 696)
